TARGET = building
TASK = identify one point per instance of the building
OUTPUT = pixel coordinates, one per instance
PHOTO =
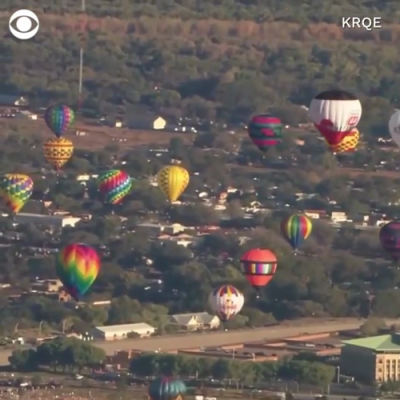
(118, 332)
(146, 122)
(157, 229)
(195, 321)
(13, 101)
(371, 359)
(51, 221)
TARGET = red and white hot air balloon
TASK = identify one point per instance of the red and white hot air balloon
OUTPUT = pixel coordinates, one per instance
(335, 113)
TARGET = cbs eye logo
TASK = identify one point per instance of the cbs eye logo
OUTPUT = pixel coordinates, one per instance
(24, 21)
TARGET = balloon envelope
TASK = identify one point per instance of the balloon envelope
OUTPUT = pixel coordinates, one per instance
(394, 127)
(265, 131)
(77, 266)
(173, 180)
(59, 119)
(335, 113)
(296, 229)
(15, 190)
(226, 302)
(114, 185)
(57, 151)
(166, 389)
(389, 237)
(258, 266)
(348, 144)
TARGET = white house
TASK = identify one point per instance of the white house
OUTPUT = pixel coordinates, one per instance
(118, 332)
(195, 321)
(51, 221)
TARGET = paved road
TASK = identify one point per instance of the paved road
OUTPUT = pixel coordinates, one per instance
(215, 339)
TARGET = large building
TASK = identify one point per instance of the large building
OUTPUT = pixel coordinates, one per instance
(50, 221)
(118, 332)
(375, 358)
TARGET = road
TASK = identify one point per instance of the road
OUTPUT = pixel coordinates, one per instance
(215, 339)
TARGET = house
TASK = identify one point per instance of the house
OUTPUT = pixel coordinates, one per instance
(51, 221)
(315, 214)
(338, 216)
(25, 114)
(146, 122)
(195, 321)
(48, 285)
(13, 101)
(172, 229)
(118, 332)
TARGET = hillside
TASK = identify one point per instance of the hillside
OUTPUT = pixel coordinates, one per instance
(223, 61)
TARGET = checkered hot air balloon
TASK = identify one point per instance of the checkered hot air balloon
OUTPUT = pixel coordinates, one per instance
(265, 131)
(57, 151)
(15, 190)
(77, 267)
(348, 144)
(226, 302)
(335, 113)
(114, 185)
(59, 119)
(173, 180)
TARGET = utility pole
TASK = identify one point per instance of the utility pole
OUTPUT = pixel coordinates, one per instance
(81, 54)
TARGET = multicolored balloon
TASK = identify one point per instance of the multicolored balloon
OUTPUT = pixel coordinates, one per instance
(57, 151)
(59, 119)
(335, 113)
(167, 389)
(77, 266)
(226, 302)
(114, 185)
(296, 229)
(348, 144)
(15, 190)
(265, 131)
(389, 237)
(259, 267)
(173, 180)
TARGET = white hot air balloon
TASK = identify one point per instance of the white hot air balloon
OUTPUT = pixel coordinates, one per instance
(394, 127)
(226, 302)
(335, 113)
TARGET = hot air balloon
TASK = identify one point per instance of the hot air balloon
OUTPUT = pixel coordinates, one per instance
(335, 113)
(114, 185)
(265, 131)
(394, 127)
(167, 388)
(173, 181)
(295, 229)
(389, 237)
(59, 119)
(77, 267)
(57, 151)
(226, 302)
(348, 144)
(258, 266)
(15, 190)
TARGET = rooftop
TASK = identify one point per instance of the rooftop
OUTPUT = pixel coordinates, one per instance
(124, 328)
(378, 343)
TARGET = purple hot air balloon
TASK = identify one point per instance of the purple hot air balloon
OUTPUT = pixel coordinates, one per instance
(389, 236)
(59, 119)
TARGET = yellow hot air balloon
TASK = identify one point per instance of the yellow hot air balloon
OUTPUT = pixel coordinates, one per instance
(57, 151)
(348, 144)
(173, 180)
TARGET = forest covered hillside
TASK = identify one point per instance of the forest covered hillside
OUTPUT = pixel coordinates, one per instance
(215, 60)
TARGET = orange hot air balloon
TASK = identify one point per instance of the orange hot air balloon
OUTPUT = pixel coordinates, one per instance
(259, 267)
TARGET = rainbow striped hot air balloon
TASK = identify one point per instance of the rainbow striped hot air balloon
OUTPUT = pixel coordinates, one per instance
(77, 267)
(114, 185)
(296, 229)
(265, 131)
(59, 119)
(15, 190)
